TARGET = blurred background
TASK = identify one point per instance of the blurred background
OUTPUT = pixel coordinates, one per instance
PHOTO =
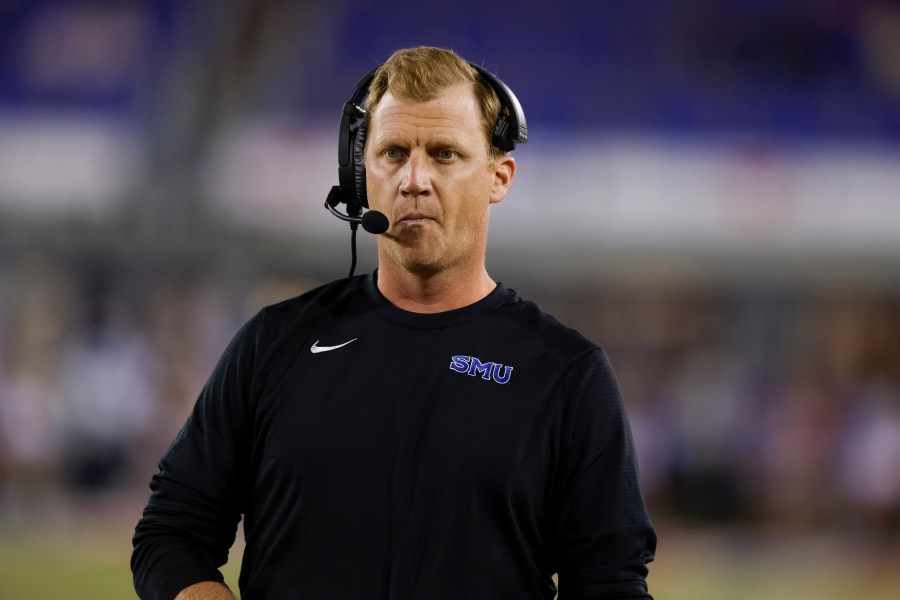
(711, 191)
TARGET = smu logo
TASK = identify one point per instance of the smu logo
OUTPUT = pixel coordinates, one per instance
(488, 370)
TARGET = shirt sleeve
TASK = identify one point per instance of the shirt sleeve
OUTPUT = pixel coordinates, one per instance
(601, 534)
(199, 491)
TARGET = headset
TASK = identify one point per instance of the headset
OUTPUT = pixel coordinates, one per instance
(509, 130)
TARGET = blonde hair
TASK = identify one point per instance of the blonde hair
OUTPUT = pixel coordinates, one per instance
(422, 73)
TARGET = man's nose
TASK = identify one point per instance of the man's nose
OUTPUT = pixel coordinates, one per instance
(415, 180)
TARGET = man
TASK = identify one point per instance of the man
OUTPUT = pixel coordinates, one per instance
(419, 432)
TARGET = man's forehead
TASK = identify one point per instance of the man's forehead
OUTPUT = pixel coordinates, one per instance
(457, 99)
(450, 113)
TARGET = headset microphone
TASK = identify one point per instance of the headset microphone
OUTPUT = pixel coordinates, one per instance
(372, 221)
(375, 222)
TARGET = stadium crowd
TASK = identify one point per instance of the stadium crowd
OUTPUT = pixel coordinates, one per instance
(778, 407)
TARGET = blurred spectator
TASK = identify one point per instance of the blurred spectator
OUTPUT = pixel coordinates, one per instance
(32, 325)
(879, 34)
(108, 383)
(869, 461)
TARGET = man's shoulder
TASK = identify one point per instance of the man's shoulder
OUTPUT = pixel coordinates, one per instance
(567, 343)
(282, 324)
(314, 303)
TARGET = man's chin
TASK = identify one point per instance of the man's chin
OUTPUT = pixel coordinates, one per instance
(421, 267)
(416, 262)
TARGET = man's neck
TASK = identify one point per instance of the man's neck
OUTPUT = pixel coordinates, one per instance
(447, 290)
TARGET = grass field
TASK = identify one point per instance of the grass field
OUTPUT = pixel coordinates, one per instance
(90, 561)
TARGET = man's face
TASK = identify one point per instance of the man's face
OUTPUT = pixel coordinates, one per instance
(428, 170)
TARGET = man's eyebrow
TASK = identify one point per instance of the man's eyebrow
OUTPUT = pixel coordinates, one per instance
(388, 140)
(389, 137)
(380, 143)
(444, 141)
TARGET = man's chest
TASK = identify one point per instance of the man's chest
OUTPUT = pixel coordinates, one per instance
(415, 408)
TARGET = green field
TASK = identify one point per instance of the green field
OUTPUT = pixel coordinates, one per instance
(90, 561)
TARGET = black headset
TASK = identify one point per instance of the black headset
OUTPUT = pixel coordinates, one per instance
(509, 129)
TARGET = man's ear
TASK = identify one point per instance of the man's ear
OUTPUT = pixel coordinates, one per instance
(504, 171)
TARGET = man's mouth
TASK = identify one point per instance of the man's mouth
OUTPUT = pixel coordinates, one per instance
(415, 219)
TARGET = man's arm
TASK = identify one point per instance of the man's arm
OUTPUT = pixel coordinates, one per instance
(208, 590)
(200, 491)
(602, 537)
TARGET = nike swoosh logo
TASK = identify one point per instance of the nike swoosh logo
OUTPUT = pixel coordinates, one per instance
(316, 348)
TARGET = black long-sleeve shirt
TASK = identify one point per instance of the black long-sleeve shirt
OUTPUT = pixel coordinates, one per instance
(378, 453)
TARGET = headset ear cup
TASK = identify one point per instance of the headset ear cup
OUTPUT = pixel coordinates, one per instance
(359, 165)
(500, 137)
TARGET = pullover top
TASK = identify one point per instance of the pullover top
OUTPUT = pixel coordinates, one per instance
(376, 453)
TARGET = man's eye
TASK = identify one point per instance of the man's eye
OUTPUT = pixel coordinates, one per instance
(446, 154)
(392, 153)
